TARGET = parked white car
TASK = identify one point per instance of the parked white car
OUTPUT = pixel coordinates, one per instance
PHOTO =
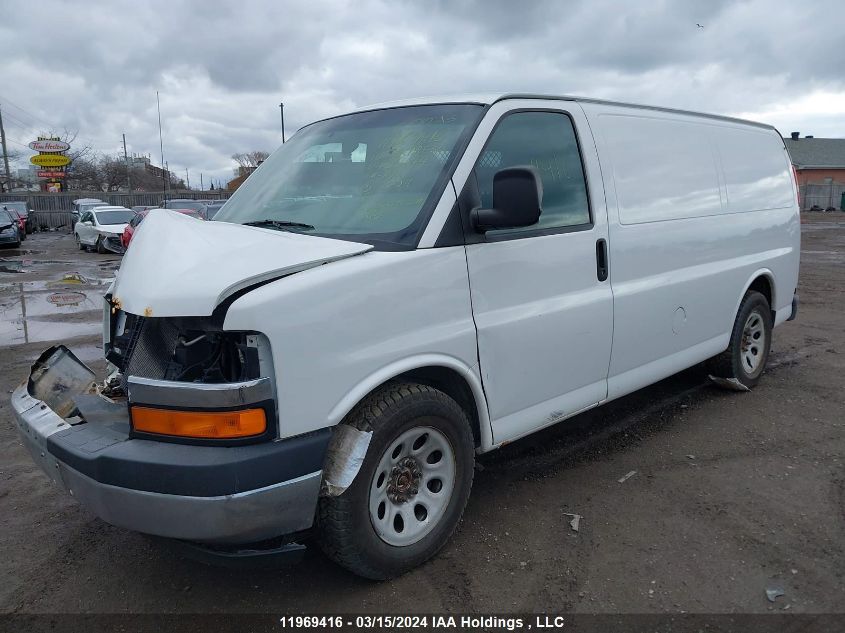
(101, 228)
(80, 206)
(400, 288)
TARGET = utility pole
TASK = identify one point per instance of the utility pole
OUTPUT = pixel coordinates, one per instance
(164, 176)
(187, 178)
(202, 186)
(126, 158)
(5, 154)
(282, 110)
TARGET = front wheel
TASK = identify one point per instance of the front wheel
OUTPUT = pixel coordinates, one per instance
(101, 248)
(413, 485)
(751, 337)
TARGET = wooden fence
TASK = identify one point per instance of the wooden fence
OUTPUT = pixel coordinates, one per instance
(53, 210)
(62, 201)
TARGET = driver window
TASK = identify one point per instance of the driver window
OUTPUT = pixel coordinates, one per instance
(546, 141)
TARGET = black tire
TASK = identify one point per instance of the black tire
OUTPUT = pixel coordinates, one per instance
(79, 242)
(100, 248)
(732, 363)
(346, 532)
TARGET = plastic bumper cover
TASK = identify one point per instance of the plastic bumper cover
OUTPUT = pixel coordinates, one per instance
(207, 494)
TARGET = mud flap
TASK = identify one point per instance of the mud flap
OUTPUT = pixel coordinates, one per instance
(56, 377)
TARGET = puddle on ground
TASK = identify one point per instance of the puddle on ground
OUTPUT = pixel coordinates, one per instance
(69, 280)
(11, 267)
(85, 353)
(50, 310)
(36, 331)
(31, 304)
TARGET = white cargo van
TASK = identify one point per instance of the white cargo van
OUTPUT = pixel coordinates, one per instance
(401, 288)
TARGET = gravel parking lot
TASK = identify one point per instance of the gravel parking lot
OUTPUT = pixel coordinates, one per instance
(731, 493)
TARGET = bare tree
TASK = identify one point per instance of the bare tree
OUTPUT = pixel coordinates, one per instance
(250, 160)
(84, 174)
(14, 155)
(112, 172)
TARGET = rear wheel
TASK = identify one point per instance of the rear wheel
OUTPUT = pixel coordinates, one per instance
(411, 490)
(751, 337)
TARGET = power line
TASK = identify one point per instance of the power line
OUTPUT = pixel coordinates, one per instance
(38, 121)
(20, 122)
(17, 142)
(25, 111)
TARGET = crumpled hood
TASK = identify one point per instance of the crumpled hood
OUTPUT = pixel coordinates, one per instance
(179, 266)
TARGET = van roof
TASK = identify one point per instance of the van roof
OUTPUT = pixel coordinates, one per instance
(489, 98)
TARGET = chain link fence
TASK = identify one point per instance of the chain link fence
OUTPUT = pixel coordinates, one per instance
(822, 196)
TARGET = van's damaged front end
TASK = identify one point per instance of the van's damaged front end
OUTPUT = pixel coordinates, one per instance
(184, 439)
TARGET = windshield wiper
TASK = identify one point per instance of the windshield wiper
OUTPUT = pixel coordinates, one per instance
(281, 225)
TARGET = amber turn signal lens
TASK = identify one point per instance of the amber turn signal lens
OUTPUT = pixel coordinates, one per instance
(203, 424)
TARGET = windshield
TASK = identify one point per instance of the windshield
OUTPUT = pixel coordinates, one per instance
(369, 177)
(5, 218)
(114, 217)
(20, 207)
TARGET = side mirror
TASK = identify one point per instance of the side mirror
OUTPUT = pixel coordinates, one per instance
(517, 200)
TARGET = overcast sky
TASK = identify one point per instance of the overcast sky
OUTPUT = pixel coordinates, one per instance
(223, 67)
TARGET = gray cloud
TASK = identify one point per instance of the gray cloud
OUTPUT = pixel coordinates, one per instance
(222, 68)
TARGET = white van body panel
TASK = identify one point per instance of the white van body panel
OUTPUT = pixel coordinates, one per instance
(687, 237)
(538, 304)
(339, 331)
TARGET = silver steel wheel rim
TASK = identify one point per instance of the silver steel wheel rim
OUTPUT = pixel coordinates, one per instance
(412, 486)
(753, 343)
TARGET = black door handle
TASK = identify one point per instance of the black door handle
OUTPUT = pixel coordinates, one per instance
(601, 260)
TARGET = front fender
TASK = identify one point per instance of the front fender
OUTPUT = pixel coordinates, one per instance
(342, 408)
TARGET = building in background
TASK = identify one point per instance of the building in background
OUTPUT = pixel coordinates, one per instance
(27, 175)
(820, 169)
(241, 174)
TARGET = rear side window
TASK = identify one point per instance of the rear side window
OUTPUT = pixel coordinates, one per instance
(546, 141)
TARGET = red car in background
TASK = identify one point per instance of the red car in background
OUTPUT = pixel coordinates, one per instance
(126, 237)
(16, 215)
